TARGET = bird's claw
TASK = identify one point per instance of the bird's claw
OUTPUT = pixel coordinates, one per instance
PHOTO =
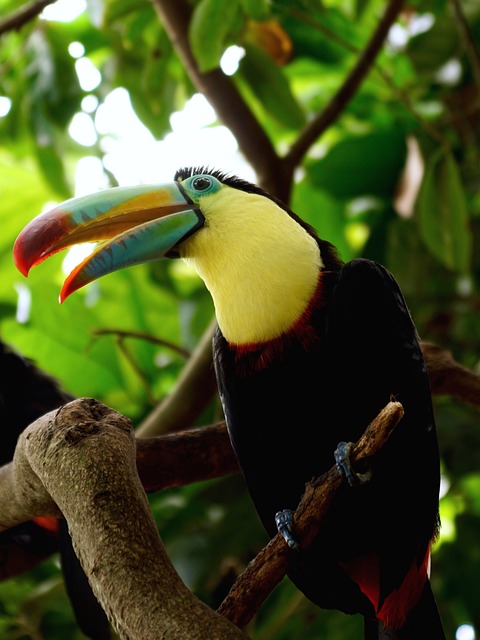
(284, 522)
(342, 460)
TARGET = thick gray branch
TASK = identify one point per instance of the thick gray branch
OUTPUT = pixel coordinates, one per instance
(82, 458)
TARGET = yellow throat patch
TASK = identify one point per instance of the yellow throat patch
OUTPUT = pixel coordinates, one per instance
(260, 266)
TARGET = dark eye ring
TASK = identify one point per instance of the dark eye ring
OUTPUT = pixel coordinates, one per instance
(202, 183)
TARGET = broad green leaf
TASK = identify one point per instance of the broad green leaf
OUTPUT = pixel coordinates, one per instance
(324, 213)
(50, 73)
(442, 213)
(362, 165)
(22, 196)
(119, 9)
(311, 34)
(360, 6)
(51, 165)
(209, 28)
(431, 49)
(270, 87)
(257, 9)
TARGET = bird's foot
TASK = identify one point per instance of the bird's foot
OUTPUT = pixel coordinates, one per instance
(284, 522)
(342, 460)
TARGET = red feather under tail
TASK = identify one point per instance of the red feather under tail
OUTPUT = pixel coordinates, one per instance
(395, 608)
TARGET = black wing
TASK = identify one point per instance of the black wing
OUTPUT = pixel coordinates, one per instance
(376, 355)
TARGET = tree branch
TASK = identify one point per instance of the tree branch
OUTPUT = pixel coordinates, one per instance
(348, 89)
(85, 444)
(161, 465)
(160, 460)
(19, 18)
(448, 377)
(223, 96)
(141, 335)
(270, 565)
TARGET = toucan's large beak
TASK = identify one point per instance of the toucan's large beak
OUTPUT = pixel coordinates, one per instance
(133, 225)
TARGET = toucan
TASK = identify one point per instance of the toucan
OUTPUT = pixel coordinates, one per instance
(27, 393)
(308, 350)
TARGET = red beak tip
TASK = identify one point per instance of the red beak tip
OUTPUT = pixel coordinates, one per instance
(23, 267)
(24, 255)
(62, 296)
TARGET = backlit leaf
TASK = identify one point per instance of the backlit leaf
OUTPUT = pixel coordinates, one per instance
(442, 212)
(271, 87)
(209, 28)
(362, 165)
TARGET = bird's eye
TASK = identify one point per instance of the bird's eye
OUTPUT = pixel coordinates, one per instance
(201, 183)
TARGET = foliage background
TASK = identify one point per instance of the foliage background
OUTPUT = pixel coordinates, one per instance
(395, 178)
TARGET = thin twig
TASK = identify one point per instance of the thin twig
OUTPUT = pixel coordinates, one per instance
(137, 369)
(147, 337)
(348, 89)
(17, 19)
(398, 93)
(120, 337)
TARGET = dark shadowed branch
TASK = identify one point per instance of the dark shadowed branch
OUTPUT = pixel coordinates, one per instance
(17, 19)
(449, 378)
(274, 173)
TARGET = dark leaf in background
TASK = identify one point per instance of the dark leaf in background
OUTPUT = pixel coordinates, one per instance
(443, 214)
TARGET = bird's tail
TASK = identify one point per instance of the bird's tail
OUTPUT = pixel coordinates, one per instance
(423, 622)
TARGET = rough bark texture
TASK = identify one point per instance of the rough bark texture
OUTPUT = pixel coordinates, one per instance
(82, 458)
(161, 460)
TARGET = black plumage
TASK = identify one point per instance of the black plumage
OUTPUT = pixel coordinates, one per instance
(289, 402)
(27, 393)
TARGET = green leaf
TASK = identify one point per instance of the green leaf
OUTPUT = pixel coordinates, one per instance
(324, 213)
(270, 87)
(120, 9)
(257, 9)
(362, 165)
(211, 23)
(53, 169)
(431, 49)
(23, 194)
(442, 212)
(310, 40)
